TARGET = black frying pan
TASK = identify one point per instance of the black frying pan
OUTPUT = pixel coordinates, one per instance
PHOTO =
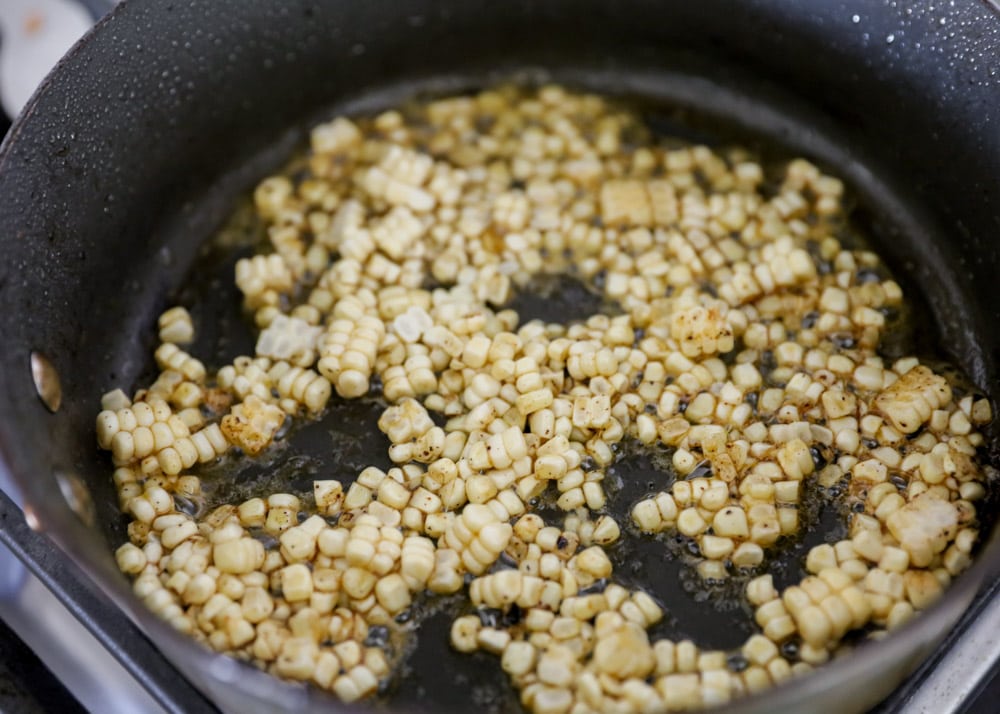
(136, 148)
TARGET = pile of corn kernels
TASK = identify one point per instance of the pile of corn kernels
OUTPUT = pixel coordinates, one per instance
(746, 344)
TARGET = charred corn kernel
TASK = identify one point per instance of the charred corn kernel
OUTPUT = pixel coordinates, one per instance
(911, 400)
(716, 548)
(189, 487)
(606, 531)
(625, 202)
(289, 340)
(759, 650)
(478, 537)
(894, 560)
(923, 527)
(253, 513)
(108, 426)
(839, 614)
(198, 589)
(594, 562)
(296, 582)
(922, 588)
(650, 611)
(252, 424)
(761, 590)
(900, 613)
(365, 682)
(210, 443)
(868, 544)
(690, 522)
(304, 387)
(464, 633)
(256, 605)
(981, 412)
(624, 653)
(170, 356)
(262, 279)
(114, 400)
(446, 577)
(814, 625)
(416, 561)
(329, 497)
(955, 560)
(731, 523)
(779, 629)
(700, 330)
(532, 402)
(176, 534)
(299, 542)
(175, 326)
(242, 555)
(392, 593)
(130, 559)
(518, 658)
(279, 519)
(393, 494)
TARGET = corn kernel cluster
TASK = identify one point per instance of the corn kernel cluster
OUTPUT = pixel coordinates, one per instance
(746, 343)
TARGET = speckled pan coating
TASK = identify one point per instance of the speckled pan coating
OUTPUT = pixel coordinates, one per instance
(131, 153)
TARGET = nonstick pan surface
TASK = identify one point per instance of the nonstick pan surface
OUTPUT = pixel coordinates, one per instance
(138, 147)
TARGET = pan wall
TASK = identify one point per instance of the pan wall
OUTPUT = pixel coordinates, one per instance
(130, 154)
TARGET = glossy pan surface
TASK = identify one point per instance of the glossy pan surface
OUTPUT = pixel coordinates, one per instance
(134, 151)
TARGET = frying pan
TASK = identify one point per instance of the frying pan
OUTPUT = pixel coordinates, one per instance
(136, 147)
